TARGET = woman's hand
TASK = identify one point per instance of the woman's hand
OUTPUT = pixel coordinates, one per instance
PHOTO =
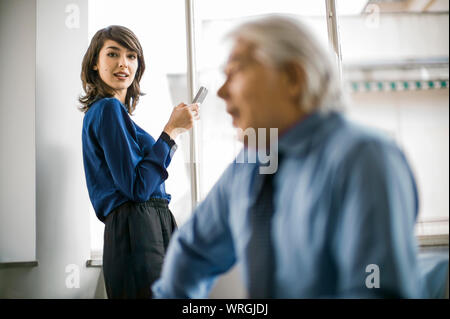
(181, 119)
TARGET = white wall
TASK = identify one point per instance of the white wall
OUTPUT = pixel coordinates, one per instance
(394, 37)
(17, 144)
(62, 220)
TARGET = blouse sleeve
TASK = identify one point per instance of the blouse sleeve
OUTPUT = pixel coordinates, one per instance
(137, 173)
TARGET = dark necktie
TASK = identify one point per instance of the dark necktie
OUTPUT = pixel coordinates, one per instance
(260, 253)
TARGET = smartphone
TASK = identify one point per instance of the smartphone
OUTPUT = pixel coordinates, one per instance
(201, 95)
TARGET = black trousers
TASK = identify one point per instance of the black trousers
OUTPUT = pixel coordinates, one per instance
(135, 242)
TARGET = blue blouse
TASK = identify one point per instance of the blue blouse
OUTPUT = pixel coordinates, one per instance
(122, 162)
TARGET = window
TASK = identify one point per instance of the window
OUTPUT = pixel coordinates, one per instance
(394, 58)
(395, 64)
(160, 28)
(213, 19)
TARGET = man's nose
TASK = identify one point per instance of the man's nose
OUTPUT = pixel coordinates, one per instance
(223, 91)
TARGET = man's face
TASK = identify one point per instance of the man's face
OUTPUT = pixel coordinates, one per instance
(253, 91)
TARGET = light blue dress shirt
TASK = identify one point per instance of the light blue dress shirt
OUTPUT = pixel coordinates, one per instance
(345, 208)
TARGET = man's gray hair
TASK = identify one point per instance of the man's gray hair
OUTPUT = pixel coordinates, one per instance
(280, 40)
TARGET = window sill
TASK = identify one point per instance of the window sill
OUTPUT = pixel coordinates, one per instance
(20, 264)
(433, 240)
(94, 263)
(97, 261)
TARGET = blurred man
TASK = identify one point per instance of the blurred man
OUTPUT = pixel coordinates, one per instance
(335, 220)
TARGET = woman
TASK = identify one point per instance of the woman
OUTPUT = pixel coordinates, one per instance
(125, 167)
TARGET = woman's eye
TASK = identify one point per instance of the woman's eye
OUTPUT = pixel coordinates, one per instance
(132, 56)
(112, 54)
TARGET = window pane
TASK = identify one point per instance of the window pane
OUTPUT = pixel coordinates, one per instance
(214, 19)
(395, 64)
(161, 29)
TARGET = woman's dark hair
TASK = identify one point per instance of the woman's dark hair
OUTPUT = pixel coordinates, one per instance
(93, 85)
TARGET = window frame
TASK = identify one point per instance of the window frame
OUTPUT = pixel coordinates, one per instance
(192, 79)
(333, 41)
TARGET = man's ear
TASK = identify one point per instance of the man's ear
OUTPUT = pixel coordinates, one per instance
(295, 79)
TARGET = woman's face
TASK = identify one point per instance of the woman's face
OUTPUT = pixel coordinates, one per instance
(116, 66)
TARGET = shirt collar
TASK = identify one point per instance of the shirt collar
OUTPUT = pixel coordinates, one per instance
(307, 133)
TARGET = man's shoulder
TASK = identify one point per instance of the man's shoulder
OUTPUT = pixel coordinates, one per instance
(352, 137)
